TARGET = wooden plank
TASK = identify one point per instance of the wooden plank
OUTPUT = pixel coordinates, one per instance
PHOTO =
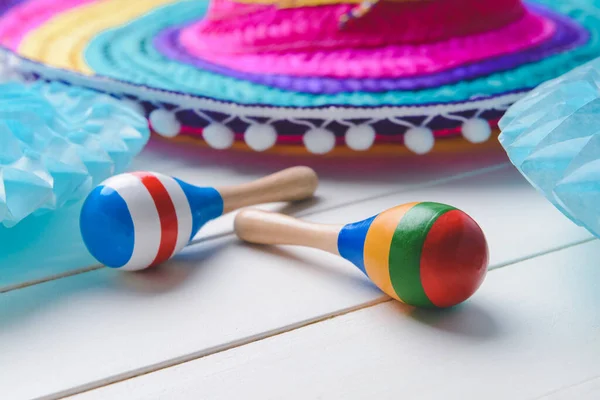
(34, 256)
(97, 327)
(534, 328)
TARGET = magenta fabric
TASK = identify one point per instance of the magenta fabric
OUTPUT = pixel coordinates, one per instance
(232, 27)
(339, 55)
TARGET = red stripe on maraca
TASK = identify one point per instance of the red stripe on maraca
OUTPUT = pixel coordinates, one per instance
(454, 259)
(166, 213)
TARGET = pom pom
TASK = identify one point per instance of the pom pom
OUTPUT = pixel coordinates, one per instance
(476, 130)
(165, 123)
(218, 136)
(360, 137)
(419, 140)
(319, 140)
(260, 137)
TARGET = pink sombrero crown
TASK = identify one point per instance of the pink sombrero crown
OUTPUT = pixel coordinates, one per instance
(390, 39)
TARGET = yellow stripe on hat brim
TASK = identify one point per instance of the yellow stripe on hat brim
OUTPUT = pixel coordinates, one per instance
(61, 41)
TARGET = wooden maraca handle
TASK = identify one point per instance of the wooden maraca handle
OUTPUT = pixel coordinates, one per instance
(291, 184)
(263, 227)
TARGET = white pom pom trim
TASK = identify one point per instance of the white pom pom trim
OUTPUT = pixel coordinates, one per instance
(218, 136)
(260, 137)
(419, 140)
(319, 140)
(164, 122)
(476, 130)
(360, 137)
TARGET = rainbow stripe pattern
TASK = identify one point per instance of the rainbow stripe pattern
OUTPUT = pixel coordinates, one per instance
(138, 219)
(412, 253)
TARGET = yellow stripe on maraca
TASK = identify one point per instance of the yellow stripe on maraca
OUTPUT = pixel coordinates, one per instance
(377, 247)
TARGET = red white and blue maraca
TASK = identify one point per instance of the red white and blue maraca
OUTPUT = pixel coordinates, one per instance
(135, 220)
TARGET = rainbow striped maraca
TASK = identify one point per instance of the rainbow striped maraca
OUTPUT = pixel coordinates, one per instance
(135, 220)
(423, 254)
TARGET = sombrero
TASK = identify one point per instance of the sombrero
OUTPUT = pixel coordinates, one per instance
(306, 75)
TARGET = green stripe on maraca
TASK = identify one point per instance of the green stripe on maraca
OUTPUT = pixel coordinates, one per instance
(405, 251)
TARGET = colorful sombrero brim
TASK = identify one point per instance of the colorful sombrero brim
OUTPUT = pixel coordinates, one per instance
(145, 51)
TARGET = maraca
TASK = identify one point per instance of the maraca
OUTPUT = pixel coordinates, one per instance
(423, 254)
(136, 220)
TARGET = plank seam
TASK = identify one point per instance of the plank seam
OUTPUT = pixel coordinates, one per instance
(49, 278)
(567, 387)
(541, 253)
(212, 351)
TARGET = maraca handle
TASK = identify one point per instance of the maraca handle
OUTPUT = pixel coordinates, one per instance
(263, 227)
(291, 184)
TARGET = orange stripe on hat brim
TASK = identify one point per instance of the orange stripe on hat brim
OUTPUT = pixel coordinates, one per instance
(377, 247)
(166, 213)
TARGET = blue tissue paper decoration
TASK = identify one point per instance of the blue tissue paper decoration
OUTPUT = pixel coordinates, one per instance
(57, 142)
(552, 136)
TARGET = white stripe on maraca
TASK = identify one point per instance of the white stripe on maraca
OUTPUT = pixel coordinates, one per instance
(182, 209)
(146, 222)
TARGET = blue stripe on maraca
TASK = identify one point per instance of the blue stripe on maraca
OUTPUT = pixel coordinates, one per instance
(110, 242)
(206, 203)
(351, 242)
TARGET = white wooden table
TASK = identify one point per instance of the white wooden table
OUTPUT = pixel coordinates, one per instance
(227, 320)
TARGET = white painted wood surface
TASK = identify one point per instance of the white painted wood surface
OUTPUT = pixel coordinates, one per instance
(587, 389)
(343, 181)
(91, 329)
(533, 330)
